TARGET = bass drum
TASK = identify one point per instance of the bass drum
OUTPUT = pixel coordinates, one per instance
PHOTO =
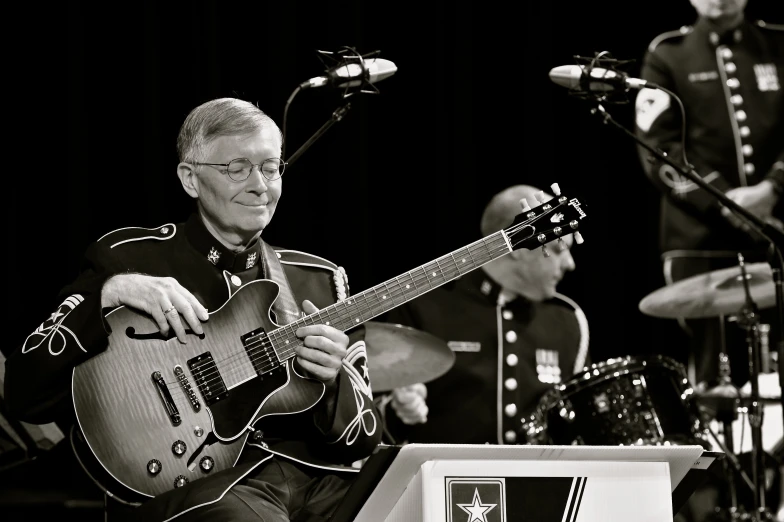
(625, 401)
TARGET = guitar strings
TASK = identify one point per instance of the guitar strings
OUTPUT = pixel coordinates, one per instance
(369, 298)
(376, 307)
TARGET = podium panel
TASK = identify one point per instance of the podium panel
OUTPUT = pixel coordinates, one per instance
(482, 483)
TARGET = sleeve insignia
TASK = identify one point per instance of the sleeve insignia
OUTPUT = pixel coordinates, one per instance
(356, 367)
(649, 105)
(53, 332)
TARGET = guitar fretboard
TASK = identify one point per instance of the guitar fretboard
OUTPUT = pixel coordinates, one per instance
(381, 298)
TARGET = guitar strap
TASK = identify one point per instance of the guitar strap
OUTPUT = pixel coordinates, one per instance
(285, 307)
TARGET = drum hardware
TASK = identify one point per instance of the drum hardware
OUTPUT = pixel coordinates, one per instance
(725, 399)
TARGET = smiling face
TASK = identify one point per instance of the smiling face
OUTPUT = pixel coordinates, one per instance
(236, 211)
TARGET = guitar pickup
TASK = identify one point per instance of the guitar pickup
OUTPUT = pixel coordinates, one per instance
(168, 401)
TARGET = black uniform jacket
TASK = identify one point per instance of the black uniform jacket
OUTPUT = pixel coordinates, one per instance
(506, 356)
(38, 374)
(731, 86)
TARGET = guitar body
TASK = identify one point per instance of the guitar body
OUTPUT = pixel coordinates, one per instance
(141, 421)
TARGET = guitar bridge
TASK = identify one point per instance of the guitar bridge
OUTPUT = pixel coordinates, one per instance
(208, 378)
(187, 388)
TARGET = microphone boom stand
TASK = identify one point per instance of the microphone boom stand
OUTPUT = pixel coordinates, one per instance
(776, 239)
(337, 115)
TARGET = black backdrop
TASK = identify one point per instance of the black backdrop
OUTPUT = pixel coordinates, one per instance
(400, 181)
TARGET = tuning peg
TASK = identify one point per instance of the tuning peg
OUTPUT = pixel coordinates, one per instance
(525, 205)
(578, 238)
(540, 196)
(545, 251)
(556, 189)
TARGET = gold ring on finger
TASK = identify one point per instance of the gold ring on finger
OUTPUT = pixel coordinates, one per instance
(169, 310)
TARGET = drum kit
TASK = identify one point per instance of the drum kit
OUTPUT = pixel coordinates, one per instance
(645, 400)
(648, 400)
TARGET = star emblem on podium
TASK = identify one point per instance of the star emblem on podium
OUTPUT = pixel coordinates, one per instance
(476, 510)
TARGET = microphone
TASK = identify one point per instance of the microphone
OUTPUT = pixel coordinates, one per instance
(595, 79)
(352, 74)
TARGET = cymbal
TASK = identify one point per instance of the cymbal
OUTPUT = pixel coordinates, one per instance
(399, 355)
(720, 292)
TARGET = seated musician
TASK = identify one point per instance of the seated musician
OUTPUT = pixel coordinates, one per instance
(513, 335)
(298, 466)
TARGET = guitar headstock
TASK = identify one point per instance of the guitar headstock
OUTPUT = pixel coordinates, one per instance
(549, 221)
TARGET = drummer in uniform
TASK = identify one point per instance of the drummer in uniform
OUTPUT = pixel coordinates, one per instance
(514, 338)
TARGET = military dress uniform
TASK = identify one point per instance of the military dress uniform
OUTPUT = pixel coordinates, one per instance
(730, 85)
(39, 372)
(731, 89)
(507, 355)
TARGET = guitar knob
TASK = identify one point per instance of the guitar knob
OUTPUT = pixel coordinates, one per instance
(179, 447)
(556, 189)
(206, 464)
(154, 467)
(578, 238)
(180, 481)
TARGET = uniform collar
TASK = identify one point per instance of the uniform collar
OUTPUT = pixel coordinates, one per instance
(706, 29)
(216, 253)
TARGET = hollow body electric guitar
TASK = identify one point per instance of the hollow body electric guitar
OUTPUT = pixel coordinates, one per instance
(157, 414)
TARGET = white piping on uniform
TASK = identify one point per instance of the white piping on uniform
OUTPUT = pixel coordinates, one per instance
(582, 322)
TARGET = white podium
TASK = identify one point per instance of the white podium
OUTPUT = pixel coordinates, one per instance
(483, 483)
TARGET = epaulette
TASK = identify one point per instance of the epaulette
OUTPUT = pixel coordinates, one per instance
(775, 27)
(295, 257)
(130, 234)
(683, 31)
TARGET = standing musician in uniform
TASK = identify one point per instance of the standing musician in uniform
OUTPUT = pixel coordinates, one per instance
(513, 335)
(230, 165)
(729, 74)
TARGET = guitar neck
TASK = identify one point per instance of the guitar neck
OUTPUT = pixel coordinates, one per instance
(390, 294)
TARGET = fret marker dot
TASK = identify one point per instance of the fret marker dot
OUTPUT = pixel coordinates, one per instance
(434, 273)
(327, 323)
(463, 260)
(383, 297)
(287, 342)
(408, 286)
(357, 320)
(348, 302)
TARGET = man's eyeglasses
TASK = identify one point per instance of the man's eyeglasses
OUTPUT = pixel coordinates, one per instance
(239, 169)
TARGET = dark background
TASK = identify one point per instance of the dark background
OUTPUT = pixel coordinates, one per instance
(400, 181)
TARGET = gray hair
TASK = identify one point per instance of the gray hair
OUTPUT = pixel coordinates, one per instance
(505, 205)
(216, 118)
